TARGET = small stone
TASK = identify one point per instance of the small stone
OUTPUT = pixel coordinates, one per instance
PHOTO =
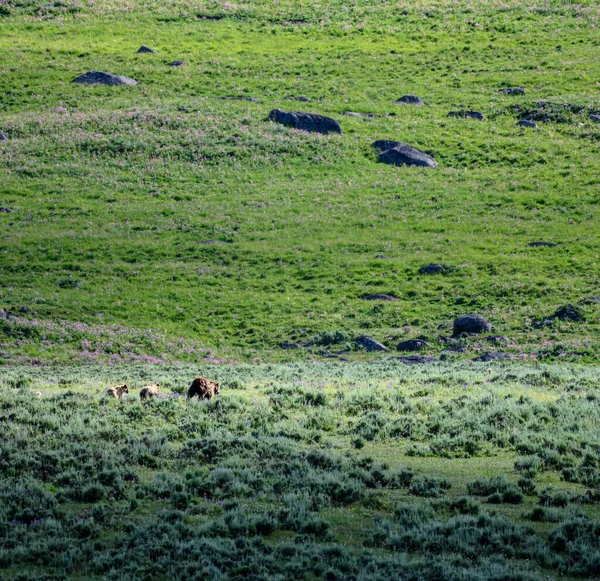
(595, 117)
(100, 78)
(410, 100)
(434, 268)
(3, 136)
(463, 114)
(370, 344)
(145, 49)
(412, 345)
(544, 323)
(416, 360)
(497, 339)
(590, 301)
(305, 121)
(527, 123)
(6, 211)
(301, 98)
(286, 345)
(494, 356)
(378, 297)
(471, 324)
(176, 63)
(513, 91)
(541, 243)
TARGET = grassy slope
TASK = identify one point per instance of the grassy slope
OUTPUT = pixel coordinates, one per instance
(114, 189)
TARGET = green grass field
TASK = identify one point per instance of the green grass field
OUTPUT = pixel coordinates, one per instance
(156, 232)
(118, 192)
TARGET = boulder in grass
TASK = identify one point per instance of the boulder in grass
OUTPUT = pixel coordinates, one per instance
(463, 114)
(100, 78)
(378, 297)
(403, 154)
(412, 345)
(471, 324)
(3, 136)
(541, 243)
(305, 121)
(569, 312)
(410, 100)
(513, 91)
(527, 123)
(434, 268)
(370, 344)
(176, 63)
(590, 301)
(417, 360)
(595, 117)
(145, 49)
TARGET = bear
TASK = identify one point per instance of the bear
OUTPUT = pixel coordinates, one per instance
(117, 392)
(150, 391)
(203, 388)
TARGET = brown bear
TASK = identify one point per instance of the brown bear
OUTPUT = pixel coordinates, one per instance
(117, 392)
(203, 388)
(150, 391)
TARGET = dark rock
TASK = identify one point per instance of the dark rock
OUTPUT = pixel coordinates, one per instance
(241, 98)
(453, 349)
(410, 100)
(513, 91)
(378, 297)
(176, 63)
(569, 312)
(497, 339)
(434, 268)
(3, 314)
(412, 345)
(416, 360)
(183, 109)
(494, 356)
(595, 117)
(144, 49)
(6, 211)
(538, 244)
(301, 98)
(24, 309)
(590, 301)
(3, 136)
(471, 324)
(404, 154)
(100, 78)
(527, 123)
(370, 344)
(385, 144)
(544, 323)
(462, 114)
(305, 121)
(286, 345)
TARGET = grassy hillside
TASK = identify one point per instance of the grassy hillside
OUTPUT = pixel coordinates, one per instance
(163, 222)
(301, 471)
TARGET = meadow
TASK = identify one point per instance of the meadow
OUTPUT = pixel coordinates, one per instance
(157, 232)
(170, 222)
(303, 471)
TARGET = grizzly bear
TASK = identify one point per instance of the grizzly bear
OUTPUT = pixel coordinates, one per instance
(203, 388)
(150, 391)
(117, 392)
